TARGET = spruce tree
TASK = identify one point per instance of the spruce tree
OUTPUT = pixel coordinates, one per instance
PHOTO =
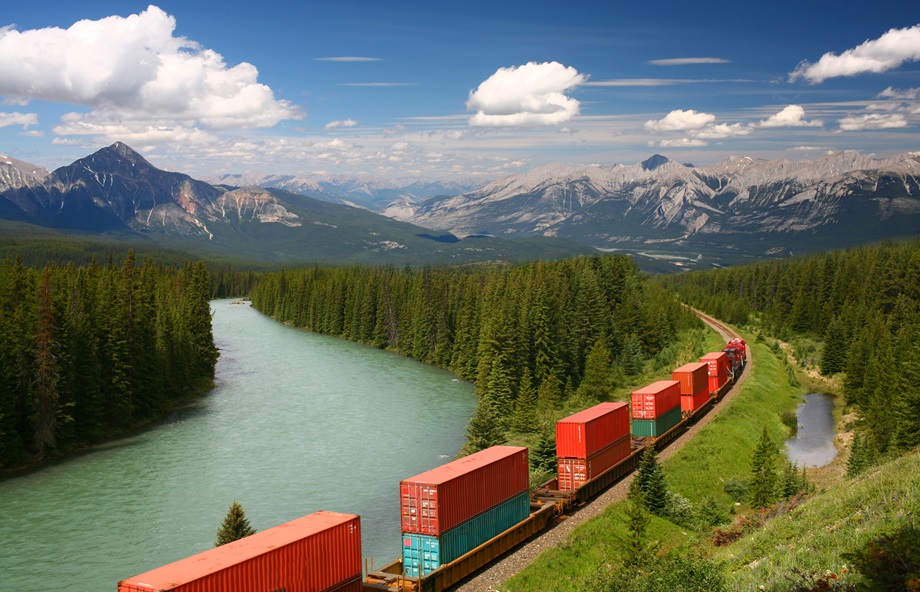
(636, 551)
(544, 452)
(595, 386)
(650, 480)
(234, 527)
(836, 348)
(763, 472)
(632, 359)
(525, 406)
(484, 429)
(856, 464)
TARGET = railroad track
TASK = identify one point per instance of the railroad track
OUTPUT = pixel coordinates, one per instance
(491, 577)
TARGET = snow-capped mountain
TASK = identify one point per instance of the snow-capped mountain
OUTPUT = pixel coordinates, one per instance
(16, 173)
(660, 199)
(358, 191)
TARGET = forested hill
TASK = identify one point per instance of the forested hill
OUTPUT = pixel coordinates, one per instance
(863, 303)
(89, 352)
(527, 334)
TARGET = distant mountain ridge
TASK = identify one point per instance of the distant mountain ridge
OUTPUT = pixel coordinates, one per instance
(660, 200)
(370, 193)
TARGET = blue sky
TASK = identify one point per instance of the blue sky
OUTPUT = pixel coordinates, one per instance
(455, 89)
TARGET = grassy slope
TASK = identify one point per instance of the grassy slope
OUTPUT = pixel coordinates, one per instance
(810, 539)
(722, 450)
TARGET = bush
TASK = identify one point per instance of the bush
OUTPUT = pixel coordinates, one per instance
(679, 510)
(890, 562)
(737, 488)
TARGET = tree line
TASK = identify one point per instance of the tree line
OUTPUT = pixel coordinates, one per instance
(88, 352)
(534, 332)
(863, 303)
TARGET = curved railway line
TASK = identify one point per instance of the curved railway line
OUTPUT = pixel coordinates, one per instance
(491, 577)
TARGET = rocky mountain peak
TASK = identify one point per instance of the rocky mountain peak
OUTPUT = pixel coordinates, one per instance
(654, 161)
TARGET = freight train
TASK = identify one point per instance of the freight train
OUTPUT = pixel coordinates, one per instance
(459, 517)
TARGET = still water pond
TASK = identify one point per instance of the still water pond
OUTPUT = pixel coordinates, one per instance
(297, 423)
(813, 444)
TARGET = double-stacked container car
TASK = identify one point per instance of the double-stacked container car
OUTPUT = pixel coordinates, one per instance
(320, 552)
(717, 371)
(694, 386)
(656, 409)
(590, 442)
(454, 508)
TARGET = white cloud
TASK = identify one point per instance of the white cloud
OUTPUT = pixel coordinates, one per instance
(791, 116)
(681, 143)
(340, 123)
(687, 61)
(873, 121)
(875, 55)
(680, 120)
(721, 131)
(907, 94)
(23, 119)
(134, 73)
(528, 95)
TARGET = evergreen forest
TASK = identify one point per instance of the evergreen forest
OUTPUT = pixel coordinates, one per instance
(528, 335)
(89, 352)
(861, 305)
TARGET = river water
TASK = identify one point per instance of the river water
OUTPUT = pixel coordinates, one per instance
(297, 422)
(813, 444)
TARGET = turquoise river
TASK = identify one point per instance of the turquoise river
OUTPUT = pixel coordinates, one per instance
(297, 422)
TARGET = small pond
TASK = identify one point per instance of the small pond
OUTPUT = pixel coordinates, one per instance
(813, 444)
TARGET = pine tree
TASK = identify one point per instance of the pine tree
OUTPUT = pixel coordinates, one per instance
(234, 527)
(763, 472)
(45, 397)
(836, 347)
(857, 462)
(484, 429)
(595, 386)
(650, 480)
(525, 406)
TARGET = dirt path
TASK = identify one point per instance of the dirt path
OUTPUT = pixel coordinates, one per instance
(491, 577)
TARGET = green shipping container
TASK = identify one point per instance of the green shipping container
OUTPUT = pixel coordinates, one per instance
(422, 554)
(652, 428)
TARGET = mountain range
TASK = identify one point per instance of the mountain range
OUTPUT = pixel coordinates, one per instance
(659, 210)
(115, 192)
(749, 206)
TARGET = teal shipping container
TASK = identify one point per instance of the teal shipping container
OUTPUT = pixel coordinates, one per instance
(422, 554)
(652, 428)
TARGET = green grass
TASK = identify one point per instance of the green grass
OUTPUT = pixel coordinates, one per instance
(810, 539)
(720, 451)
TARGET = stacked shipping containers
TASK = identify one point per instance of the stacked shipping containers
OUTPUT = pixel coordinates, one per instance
(656, 408)
(452, 509)
(694, 385)
(316, 553)
(590, 442)
(717, 363)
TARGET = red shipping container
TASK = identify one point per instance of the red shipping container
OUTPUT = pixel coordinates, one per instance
(589, 431)
(444, 497)
(318, 552)
(575, 472)
(693, 402)
(692, 377)
(717, 382)
(718, 363)
(656, 399)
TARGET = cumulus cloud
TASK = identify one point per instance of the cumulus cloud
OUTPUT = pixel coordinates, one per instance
(687, 61)
(528, 95)
(721, 131)
(791, 116)
(680, 120)
(23, 119)
(873, 121)
(875, 55)
(340, 123)
(134, 72)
